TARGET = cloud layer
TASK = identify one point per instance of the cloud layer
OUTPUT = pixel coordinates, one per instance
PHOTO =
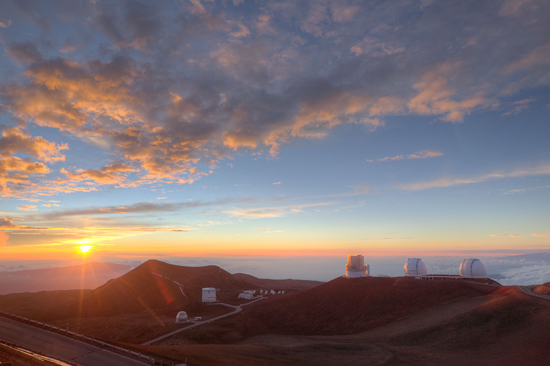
(170, 89)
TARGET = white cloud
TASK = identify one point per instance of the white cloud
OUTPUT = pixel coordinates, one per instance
(456, 181)
(527, 275)
(422, 154)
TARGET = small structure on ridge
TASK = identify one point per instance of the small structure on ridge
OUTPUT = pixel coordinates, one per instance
(415, 268)
(471, 267)
(182, 317)
(248, 294)
(209, 294)
(356, 267)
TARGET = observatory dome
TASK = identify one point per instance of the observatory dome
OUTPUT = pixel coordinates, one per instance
(415, 267)
(181, 317)
(471, 267)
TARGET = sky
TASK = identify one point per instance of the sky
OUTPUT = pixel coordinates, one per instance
(236, 129)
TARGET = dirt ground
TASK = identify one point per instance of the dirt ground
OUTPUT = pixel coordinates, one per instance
(504, 328)
(7, 354)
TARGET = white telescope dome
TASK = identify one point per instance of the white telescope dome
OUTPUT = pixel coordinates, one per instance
(415, 267)
(471, 267)
(181, 317)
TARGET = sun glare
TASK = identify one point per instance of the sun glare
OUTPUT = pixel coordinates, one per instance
(85, 248)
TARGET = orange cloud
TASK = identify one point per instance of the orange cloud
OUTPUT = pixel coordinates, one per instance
(6, 223)
(505, 235)
(110, 174)
(27, 208)
(14, 140)
(435, 95)
(14, 175)
(541, 235)
(539, 56)
(235, 140)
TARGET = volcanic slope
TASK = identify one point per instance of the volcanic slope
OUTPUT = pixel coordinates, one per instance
(347, 306)
(543, 289)
(286, 285)
(378, 321)
(341, 306)
(155, 285)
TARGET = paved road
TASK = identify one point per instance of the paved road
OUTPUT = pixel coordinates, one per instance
(529, 291)
(60, 347)
(237, 309)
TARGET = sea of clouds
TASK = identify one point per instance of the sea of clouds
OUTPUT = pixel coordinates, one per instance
(526, 269)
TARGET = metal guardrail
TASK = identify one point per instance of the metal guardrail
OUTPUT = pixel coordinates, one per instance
(83, 338)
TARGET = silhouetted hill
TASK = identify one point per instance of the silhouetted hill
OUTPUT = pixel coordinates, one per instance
(156, 285)
(535, 257)
(86, 276)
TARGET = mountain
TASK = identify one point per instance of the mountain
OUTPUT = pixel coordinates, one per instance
(156, 285)
(286, 285)
(534, 257)
(85, 276)
(348, 306)
(377, 321)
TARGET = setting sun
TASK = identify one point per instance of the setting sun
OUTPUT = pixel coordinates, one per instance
(85, 248)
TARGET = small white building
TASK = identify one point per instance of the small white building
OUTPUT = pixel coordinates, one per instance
(182, 317)
(471, 267)
(248, 294)
(356, 267)
(415, 268)
(209, 294)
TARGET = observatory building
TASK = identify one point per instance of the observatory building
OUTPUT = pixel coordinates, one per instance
(209, 294)
(248, 294)
(415, 268)
(182, 317)
(356, 267)
(471, 270)
(471, 267)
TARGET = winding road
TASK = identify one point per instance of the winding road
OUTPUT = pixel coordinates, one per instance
(529, 291)
(237, 309)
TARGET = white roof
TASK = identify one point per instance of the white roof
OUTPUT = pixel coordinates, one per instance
(472, 267)
(415, 267)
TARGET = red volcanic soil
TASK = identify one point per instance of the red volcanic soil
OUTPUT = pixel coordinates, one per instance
(155, 285)
(276, 285)
(543, 289)
(508, 328)
(8, 354)
(347, 306)
(446, 324)
(33, 305)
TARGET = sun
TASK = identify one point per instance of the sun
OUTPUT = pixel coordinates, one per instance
(85, 248)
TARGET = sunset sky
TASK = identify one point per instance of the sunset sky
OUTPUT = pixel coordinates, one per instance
(235, 128)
